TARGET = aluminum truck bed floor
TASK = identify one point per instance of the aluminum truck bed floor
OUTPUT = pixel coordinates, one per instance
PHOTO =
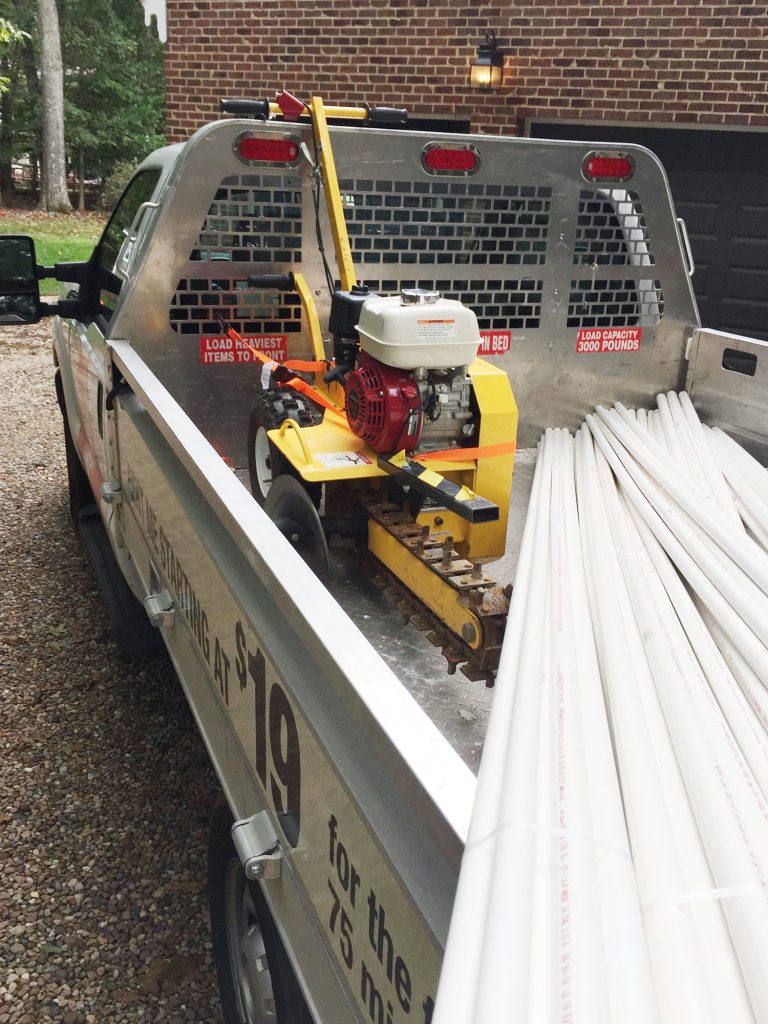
(459, 708)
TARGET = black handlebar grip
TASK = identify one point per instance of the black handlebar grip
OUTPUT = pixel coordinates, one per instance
(387, 116)
(248, 108)
(282, 282)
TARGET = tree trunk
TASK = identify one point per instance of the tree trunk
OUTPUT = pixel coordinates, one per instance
(53, 195)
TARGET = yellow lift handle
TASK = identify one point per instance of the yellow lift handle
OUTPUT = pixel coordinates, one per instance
(332, 196)
(291, 109)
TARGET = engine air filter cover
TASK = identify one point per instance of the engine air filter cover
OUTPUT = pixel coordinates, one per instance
(383, 406)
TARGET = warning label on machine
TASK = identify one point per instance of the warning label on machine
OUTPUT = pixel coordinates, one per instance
(435, 328)
(609, 339)
(494, 343)
(336, 460)
(221, 349)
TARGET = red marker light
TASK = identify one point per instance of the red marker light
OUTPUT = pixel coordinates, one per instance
(597, 167)
(271, 151)
(450, 159)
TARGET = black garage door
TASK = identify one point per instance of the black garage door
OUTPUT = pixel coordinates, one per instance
(719, 182)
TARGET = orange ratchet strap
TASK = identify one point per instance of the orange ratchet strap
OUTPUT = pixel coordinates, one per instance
(487, 451)
(297, 384)
(304, 366)
(312, 393)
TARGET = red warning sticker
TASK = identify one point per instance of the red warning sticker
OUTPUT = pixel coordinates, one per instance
(609, 339)
(221, 349)
(494, 343)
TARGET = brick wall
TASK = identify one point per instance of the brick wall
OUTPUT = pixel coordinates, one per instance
(702, 63)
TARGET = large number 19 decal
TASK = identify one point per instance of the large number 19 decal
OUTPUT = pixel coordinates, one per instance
(277, 753)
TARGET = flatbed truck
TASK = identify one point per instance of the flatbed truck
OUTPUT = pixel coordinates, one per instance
(345, 752)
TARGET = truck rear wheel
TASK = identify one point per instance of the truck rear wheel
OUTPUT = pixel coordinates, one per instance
(257, 983)
(265, 462)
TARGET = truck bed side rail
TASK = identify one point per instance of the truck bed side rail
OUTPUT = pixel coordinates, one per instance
(728, 384)
(300, 715)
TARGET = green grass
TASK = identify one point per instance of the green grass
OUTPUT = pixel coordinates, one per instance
(59, 237)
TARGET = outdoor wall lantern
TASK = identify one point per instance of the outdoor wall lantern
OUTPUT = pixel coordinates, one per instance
(486, 70)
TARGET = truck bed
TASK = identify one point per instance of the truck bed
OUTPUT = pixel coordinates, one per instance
(457, 706)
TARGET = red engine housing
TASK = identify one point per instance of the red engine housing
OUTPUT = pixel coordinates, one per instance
(383, 406)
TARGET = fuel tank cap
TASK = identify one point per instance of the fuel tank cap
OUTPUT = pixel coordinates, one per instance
(417, 296)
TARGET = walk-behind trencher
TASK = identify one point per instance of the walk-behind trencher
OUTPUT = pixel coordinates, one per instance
(404, 432)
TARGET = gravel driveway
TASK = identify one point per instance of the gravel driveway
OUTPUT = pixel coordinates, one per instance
(105, 786)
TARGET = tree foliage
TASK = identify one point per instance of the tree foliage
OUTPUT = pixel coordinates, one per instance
(10, 36)
(113, 84)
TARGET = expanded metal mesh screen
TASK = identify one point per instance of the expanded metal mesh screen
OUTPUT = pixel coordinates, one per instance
(253, 217)
(421, 224)
(615, 303)
(611, 230)
(498, 305)
(443, 223)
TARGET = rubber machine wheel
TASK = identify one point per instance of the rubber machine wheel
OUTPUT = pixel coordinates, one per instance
(293, 512)
(265, 462)
(257, 983)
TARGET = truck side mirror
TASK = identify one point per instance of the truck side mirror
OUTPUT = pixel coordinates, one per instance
(19, 285)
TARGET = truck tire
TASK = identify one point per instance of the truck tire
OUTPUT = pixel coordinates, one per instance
(265, 462)
(257, 983)
(78, 485)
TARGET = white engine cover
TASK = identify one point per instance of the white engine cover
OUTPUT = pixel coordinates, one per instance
(405, 335)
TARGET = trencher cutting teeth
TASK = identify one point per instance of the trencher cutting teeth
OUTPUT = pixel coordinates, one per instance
(475, 590)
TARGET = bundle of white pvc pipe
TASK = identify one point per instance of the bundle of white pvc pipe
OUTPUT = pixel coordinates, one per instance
(616, 868)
